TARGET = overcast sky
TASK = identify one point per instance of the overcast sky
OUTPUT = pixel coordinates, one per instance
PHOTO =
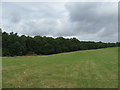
(83, 20)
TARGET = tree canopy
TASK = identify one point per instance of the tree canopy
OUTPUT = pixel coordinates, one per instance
(15, 45)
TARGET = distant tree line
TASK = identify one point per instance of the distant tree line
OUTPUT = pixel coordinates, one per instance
(15, 45)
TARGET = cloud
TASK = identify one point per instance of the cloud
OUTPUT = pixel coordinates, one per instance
(86, 21)
(93, 17)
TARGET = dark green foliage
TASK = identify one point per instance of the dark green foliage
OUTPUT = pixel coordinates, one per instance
(15, 45)
(0, 42)
(118, 44)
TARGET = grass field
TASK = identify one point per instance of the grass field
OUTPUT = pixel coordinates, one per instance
(81, 69)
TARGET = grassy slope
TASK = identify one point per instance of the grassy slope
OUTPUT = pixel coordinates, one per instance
(81, 69)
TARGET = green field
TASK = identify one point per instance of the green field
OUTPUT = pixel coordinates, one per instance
(81, 69)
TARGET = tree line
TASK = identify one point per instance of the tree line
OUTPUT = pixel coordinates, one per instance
(15, 45)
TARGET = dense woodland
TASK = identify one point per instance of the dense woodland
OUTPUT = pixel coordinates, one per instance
(15, 45)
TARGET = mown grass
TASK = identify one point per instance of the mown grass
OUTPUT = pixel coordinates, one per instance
(81, 69)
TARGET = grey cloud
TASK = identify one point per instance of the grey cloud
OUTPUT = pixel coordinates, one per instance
(38, 27)
(91, 17)
(87, 21)
(15, 17)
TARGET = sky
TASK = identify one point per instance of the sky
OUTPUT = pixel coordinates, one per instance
(87, 21)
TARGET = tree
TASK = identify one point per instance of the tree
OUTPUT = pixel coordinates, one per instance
(15, 45)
